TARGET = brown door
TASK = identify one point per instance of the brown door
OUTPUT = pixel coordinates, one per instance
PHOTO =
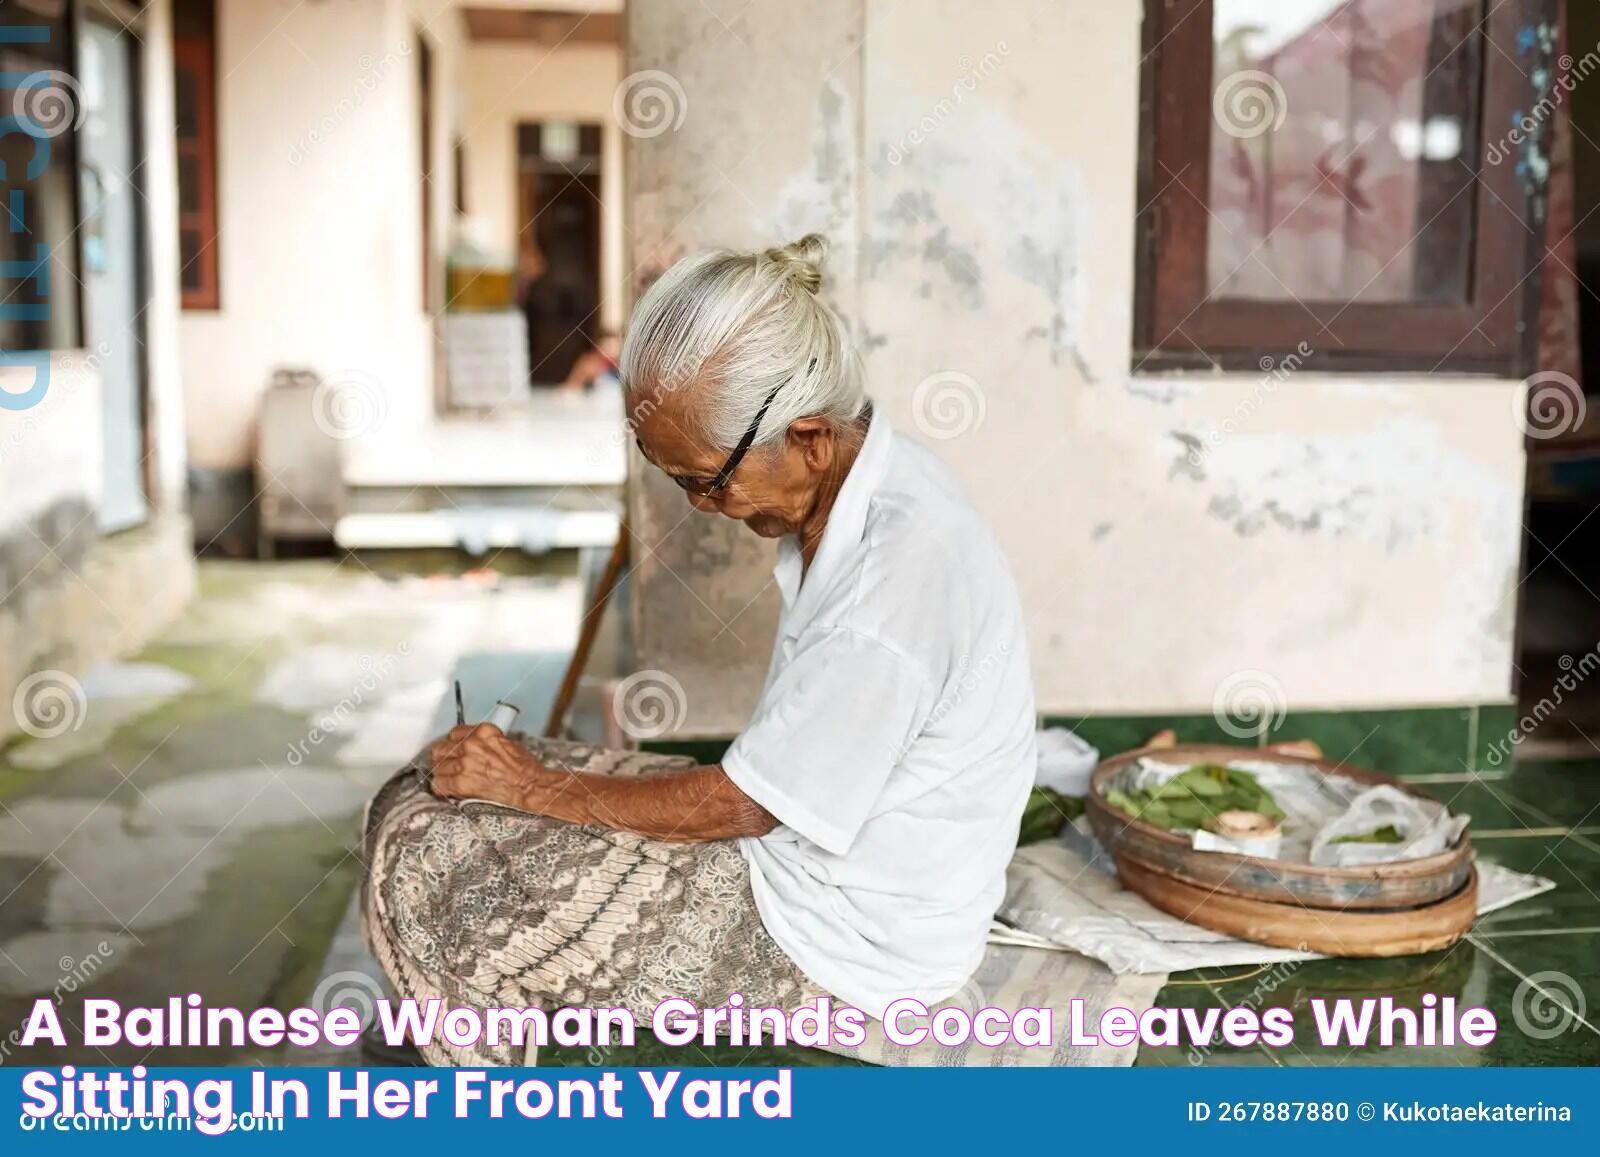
(558, 183)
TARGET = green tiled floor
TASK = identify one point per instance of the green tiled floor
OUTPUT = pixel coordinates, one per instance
(1562, 794)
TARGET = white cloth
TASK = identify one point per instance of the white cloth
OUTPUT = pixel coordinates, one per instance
(894, 738)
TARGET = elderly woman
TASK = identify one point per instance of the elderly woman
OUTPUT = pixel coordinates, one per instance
(853, 840)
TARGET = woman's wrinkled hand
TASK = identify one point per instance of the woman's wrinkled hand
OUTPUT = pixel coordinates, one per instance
(479, 762)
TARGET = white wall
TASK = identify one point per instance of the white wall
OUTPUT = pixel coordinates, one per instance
(1354, 537)
(504, 83)
(52, 452)
(319, 198)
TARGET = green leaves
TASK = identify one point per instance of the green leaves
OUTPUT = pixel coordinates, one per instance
(1387, 834)
(1195, 797)
(1046, 813)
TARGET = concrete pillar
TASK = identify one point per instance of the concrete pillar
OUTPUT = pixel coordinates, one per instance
(743, 130)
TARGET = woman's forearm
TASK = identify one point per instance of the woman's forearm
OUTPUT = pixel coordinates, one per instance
(696, 805)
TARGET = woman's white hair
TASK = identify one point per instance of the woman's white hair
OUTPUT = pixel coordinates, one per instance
(735, 326)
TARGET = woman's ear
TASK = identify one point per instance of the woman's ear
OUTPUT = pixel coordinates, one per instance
(814, 438)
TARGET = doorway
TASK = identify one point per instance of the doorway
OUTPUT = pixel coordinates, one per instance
(558, 245)
(1558, 624)
(112, 245)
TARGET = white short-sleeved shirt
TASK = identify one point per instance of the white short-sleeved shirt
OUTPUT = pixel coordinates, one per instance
(894, 739)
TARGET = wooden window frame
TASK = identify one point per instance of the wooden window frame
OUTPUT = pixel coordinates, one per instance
(198, 56)
(1178, 325)
(427, 86)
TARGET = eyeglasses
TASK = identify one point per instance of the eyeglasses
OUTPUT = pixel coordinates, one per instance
(705, 487)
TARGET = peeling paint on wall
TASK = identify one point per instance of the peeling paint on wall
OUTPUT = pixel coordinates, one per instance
(769, 150)
(1052, 267)
(1399, 487)
(1190, 463)
(1162, 391)
(912, 231)
(1393, 486)
(822, 200)
(955, 217)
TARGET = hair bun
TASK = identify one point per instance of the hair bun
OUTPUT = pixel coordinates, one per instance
(803, 260)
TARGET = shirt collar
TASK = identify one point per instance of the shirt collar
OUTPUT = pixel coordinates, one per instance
(847, 523)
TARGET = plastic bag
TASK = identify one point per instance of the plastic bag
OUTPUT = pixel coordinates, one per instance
(1065, 761)
(1384, 824)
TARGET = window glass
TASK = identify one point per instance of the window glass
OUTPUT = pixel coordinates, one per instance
(194, 98)
(1341, 158)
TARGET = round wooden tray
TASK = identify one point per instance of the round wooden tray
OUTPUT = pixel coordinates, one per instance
(1404, 884)
(1401, 932)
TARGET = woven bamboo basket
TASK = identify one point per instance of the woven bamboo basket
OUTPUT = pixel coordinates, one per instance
(1405, 885)
(1396, 932)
